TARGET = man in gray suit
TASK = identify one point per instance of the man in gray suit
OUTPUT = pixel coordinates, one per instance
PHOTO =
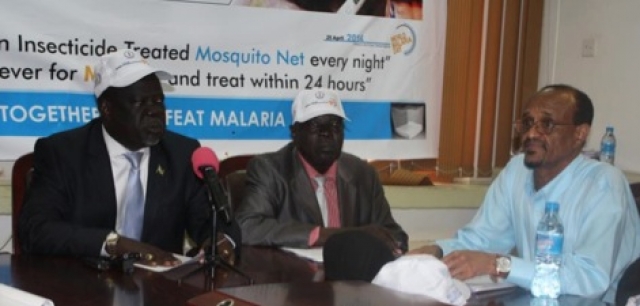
(309, 190)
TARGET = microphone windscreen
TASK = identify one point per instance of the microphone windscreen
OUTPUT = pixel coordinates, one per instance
(203, 157)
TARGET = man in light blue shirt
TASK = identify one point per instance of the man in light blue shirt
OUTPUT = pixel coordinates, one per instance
(597, 209)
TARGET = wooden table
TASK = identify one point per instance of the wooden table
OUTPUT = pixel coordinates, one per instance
(69, 282)
(280, 279)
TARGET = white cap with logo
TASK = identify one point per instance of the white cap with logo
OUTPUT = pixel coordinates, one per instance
(311, 103)
(122, 68)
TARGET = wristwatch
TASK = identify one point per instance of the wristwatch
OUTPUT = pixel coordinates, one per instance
(111, 242)
(503, 265)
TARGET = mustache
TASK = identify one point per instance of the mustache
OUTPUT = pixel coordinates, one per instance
(153, 112)
(529, 141)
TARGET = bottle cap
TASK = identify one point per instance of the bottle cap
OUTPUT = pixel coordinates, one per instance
(552, 206)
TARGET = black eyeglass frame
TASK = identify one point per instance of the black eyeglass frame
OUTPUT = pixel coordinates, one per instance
(544, 125)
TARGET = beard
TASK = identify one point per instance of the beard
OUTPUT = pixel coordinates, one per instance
(151, 129)
(532, 164)
(151, 140)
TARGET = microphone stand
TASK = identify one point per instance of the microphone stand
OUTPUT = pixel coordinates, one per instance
(212, 259)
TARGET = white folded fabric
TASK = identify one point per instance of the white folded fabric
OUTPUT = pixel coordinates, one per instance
(10, 296)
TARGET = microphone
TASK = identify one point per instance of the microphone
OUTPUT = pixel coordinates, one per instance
(205, 165)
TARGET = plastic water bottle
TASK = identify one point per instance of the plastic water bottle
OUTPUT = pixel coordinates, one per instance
(608, 146)
(543, 301)
(549, 240)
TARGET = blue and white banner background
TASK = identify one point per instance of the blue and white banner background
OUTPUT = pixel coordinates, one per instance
(236, 70)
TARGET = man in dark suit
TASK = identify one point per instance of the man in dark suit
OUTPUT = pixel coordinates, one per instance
(286, 202)
(83, 199)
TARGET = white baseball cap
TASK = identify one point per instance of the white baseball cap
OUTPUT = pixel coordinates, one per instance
(423, 275)
(123, 68)
(311, 103)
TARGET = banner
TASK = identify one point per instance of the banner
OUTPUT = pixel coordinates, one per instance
(237, 65)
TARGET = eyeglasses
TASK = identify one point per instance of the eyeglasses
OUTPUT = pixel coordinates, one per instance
(544, 125)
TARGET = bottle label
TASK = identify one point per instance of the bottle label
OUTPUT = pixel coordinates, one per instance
(608, 148)
(549, 244)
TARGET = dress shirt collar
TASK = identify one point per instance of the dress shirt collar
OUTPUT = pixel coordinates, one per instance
(567, 171)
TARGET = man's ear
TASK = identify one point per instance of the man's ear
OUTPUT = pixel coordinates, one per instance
(103, 107)
(293, 129)
(582, 132)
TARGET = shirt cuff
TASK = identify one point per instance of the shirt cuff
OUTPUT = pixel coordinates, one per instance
(313, 236)
(521, 272)
(103, 251)
(233, 243)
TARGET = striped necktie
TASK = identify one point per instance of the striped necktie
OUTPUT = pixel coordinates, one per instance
(322, 200)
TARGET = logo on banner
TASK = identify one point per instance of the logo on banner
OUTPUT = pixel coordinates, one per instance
(403, 39)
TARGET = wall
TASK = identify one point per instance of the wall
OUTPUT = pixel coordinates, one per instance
(611, 77)
(5, 233)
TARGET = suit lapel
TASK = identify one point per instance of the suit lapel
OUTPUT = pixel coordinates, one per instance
(156, 181)
(346, 195)
(302, 192)
(99, 177)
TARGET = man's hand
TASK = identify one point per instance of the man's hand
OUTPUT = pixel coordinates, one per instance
(224, 249)
(467, 264)
(151, 255)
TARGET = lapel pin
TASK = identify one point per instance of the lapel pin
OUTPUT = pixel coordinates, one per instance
(160, 170)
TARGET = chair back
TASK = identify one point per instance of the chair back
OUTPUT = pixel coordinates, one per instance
(232, 175)
(234, 185)
(20, 181)
(635, 190)
(629, 284)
